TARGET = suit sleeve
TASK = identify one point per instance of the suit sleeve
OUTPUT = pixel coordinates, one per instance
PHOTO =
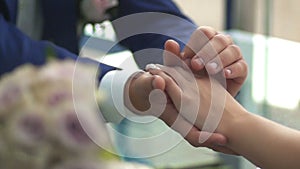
(151, 31)
(167, 24)
(16, 49)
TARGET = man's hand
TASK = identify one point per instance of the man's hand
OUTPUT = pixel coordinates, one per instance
(206, 52)
(189, 95)
(142, 84)
(209, 52)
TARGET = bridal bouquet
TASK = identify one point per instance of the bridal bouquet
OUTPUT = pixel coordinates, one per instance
(48, 119)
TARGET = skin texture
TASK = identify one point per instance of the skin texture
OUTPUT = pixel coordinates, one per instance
(208, 48)
(220, 48)
(170, 114)
(265, 143)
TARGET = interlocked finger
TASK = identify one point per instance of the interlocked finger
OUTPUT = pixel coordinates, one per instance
(227, 57)
(210, 51)
(198, 39)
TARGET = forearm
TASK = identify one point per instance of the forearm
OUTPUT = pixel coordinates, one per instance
(263, 142)
(16, 48)
(155, 29)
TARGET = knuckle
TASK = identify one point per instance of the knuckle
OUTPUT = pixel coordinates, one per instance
(232, 54)
(235, 50)
(239, 67)
(222, 40)
(230, 39)
(221, 60)
(208, 31)
(242, 66)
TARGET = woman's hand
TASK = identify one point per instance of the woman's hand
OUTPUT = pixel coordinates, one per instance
(139, 101)
(211, 52)
(199, 101)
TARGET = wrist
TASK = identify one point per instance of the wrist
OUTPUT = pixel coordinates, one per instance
(132, 99)
(113, 91)
(233, 116)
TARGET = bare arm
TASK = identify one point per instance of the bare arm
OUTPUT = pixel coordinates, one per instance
(265, 143)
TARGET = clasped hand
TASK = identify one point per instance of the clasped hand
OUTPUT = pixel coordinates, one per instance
(184, 79)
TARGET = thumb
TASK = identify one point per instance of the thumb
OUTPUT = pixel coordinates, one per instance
(140, 87)
(172, 46)
(172, 49)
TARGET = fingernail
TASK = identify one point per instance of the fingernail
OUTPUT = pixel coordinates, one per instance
(228, 72)
(199, 61)
(213, 65)
(152, 66)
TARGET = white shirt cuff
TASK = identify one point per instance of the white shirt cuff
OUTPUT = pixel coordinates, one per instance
(112, 90)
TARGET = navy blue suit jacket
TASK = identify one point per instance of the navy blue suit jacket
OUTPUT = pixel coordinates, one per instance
(59, 33)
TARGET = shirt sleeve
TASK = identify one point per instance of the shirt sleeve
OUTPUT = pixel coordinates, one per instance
(112, 90)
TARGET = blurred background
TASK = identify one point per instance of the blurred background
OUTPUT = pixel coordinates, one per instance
(272, 17)
(268, 33)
